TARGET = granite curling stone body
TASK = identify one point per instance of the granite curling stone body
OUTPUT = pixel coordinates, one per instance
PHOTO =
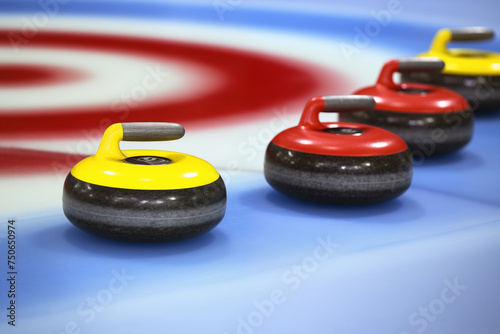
(475, 74)
(338, 163)
(432, 120)
(143, 195)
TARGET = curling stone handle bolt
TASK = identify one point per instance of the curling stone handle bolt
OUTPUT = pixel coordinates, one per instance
(471, 34)
(147, 131)
(333, 103)
(406, 65)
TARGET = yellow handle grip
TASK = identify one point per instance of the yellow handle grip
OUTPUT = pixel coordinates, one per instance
(147, 131)
(446, 35)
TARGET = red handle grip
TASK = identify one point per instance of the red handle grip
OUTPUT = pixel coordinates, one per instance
(333, 103)
(406, 65)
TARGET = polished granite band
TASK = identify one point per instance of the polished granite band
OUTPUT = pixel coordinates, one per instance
(434, 133)
(481, 91)
(144, 215)
(338, 180)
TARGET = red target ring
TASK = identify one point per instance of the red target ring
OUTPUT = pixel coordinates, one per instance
(253, 85)
(15, 75)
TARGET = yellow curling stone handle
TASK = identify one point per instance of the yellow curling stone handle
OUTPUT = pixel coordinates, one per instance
(464, 61)
(109, 167)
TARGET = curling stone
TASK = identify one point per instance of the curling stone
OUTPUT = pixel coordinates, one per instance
(432, 120)
(143, 195)
(338, 163)
(475, 74)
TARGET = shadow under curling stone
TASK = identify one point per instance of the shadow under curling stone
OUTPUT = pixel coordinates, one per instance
(399, 210)
(487, 115)
(464, 159)
(210, 245)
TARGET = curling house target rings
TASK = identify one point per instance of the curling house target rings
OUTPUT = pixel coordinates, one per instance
(263, 79)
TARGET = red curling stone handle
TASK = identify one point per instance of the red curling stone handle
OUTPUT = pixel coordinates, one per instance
(152, 131)
(471, 34)
(406, 65)
(333, 103)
